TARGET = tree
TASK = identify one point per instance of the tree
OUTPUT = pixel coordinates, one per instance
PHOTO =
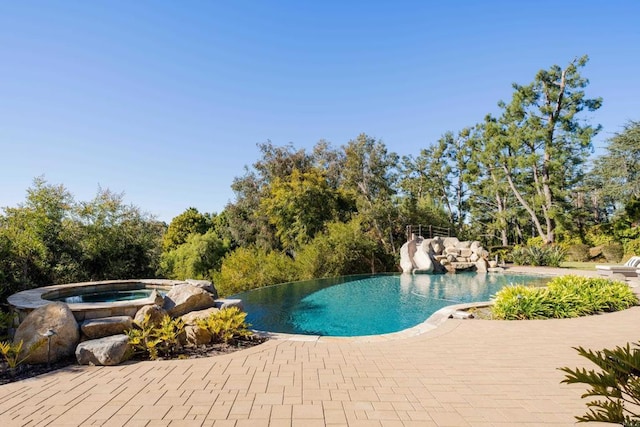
(188, 222)
(344, 248)
(543, 143)
(616, 174)
(250, 267)
(299, 205)
(370, 178)
(117, 241)
(34, 235)
(197, 258)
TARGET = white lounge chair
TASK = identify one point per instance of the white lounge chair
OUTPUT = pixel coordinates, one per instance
(630, 269)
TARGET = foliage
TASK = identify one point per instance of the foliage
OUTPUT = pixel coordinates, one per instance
(550, 256)
(156, 341)
(252, 267)
(613, 252)
(197, 258)
(50, 238)
(226, 325)
(615, 387)
(578, 252)
(13, 354)
(182, 226)
(344, 248)
(565, 296)
(6, 321)
(632, 247)
(540, 144)
(299, 205)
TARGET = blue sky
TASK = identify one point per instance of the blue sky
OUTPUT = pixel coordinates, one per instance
(166, 101)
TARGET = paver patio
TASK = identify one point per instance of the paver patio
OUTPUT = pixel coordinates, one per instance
(463, 373)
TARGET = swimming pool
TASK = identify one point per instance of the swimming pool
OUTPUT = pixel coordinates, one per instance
(367, 305)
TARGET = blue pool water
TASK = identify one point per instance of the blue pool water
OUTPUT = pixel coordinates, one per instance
(367, 305)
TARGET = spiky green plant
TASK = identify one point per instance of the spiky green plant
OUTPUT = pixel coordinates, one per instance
(156, 341)
(12, 352)
(226, 325)
(616, 387)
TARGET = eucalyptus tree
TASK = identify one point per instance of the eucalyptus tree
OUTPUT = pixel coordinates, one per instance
(544, 143)
(370, 177)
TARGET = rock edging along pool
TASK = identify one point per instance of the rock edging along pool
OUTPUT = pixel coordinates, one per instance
(367, 304)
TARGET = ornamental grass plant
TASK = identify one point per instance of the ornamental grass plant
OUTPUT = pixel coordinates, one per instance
(564, 297)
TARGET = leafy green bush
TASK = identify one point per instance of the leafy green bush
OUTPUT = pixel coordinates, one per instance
(250, 268)
(550, 256)
(613, 252)
(342, 249)
(155, 341)
(617, 383)
(226, 325)
(578, 252)
(565, 296)
(197, 258)
(632, 247)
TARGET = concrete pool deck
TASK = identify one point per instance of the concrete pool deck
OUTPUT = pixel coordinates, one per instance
(461, 373)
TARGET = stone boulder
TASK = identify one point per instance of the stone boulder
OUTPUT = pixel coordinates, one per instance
(450, 242)
(156, 313)
(482, 265)
(106, 326)
(190, 318)
(107, 351)
(182, 299)
(204, 284)
(56, 317)
(195, 335)
(157, 298)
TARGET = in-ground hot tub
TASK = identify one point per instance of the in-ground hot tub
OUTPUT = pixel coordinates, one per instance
(103, 306)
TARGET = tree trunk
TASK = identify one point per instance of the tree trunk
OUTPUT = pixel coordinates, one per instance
(525, 205)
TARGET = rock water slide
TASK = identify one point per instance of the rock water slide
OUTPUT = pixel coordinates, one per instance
(438, 255)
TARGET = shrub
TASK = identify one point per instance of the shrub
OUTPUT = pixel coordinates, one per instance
(520, 302)
(615, 384)
(632, 247)
(226, 325)
(154, 341)
(250, 268)
(613, 252)
(565, 296)
(550, 256)
(578, 252)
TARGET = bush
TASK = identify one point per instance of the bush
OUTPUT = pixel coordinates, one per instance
(226, 325)
(250, 268)
(616, 383)
(565, 296)
(578, 252)
(632, 247)
(613, 252)
(550, 256)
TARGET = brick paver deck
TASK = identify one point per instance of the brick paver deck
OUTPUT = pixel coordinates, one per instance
(462, 373)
